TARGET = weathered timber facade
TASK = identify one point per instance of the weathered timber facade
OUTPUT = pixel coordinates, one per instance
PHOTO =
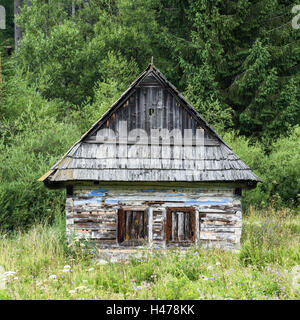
(152, 172)
(213, 212)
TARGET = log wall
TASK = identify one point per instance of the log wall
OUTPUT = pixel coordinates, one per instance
(92, 212)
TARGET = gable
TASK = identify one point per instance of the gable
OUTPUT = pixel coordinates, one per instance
(151, 106)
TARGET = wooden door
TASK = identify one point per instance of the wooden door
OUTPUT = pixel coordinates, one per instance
(180, 225)
(132, 227)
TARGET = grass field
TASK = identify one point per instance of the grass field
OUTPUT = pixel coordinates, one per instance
(39, 264)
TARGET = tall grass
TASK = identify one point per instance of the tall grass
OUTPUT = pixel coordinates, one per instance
(39, 264)
(272, 236)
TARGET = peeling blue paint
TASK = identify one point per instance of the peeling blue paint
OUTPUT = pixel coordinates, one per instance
(208, 202)
(147, 198)
(173, 199)
(98, 192)
(173, 194)
(164, 191)
(79, 202)
(111, 201)
(148, 190)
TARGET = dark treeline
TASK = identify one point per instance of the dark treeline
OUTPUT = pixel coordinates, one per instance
(237, 62)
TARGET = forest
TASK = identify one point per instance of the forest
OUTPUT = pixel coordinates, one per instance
(64, 62)
(237, 62)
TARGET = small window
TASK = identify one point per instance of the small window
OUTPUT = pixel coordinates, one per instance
(238, 191)
(69, 190)
(151, 111)
(180, 225)
(132, 227)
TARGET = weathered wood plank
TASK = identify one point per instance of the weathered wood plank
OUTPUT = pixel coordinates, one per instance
(121, 225)
(104, 235)
(180, 227)
(128, 222)
(187, 227)
(168, 227)
(205, 228)
(145, 225)
(218, 236)
(93, 217)
(95, 226)
(193, 225)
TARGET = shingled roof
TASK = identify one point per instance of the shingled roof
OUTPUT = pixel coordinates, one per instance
(150, 103)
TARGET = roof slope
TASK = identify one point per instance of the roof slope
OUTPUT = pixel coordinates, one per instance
(118, 148)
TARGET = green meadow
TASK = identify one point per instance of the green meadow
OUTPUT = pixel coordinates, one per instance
(40, 264)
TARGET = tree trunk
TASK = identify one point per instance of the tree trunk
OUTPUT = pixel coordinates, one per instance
(73, 9)
(18, 31)
(2, 18)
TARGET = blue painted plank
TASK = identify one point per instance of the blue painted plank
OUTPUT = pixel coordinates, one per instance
(79, 202)
(98, 192)
(112, 201)
(208, 202)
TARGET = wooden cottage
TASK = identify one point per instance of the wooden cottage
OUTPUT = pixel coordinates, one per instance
(152, 172)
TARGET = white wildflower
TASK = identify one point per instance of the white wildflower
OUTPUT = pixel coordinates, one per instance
(218, 263)
(80, 288)
(67, 268)
(52, 276)
(72, 291)
(146, 284)
(91, 269)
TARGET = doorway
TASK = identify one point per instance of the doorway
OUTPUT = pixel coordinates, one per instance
(132, 227)
(180, 226)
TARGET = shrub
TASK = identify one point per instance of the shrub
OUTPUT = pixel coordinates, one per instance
(279, 170)
(30, 144)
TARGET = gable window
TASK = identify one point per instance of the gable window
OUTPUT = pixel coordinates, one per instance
(180, 226)
(132, 227)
